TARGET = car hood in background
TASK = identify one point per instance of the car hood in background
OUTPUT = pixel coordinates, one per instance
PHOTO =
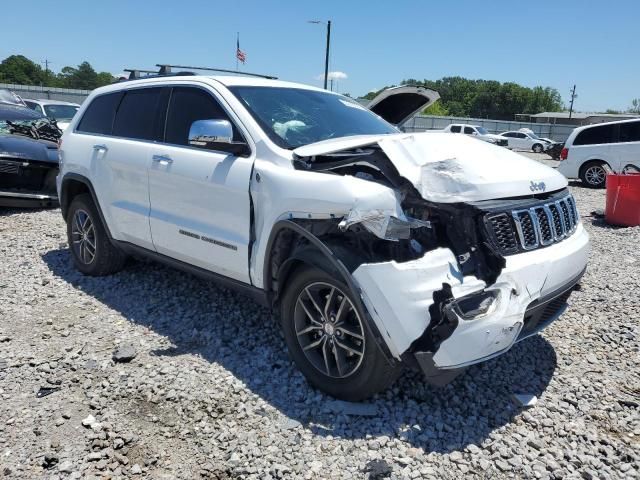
(449, 168)
(29, 149)
(398, 104)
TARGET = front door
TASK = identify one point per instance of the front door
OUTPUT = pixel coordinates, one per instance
(200, 206)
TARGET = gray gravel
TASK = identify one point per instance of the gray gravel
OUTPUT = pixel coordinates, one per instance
(208, 390)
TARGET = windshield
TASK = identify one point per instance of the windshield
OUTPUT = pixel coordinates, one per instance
(534, 136)
(482, 130)
(293, 117)
(60, 111)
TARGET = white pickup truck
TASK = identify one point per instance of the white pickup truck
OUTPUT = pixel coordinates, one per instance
(476, 131)
(379, 249)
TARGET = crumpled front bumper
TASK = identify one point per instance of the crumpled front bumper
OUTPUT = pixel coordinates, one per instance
(398, 297)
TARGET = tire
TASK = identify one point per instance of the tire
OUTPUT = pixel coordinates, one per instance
(537, 148)
(318, 346)
(91, 250)
(594, 174)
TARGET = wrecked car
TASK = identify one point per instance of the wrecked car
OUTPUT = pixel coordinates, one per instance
(28, 157)
(378, 249)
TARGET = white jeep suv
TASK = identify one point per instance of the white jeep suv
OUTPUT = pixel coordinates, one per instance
(378, 249)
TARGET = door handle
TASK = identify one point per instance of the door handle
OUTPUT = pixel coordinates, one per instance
(163, 159)
(100, 146)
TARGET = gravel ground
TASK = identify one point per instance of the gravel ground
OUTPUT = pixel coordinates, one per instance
(210, 392)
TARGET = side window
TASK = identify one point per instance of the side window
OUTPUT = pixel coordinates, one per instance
(455, 128)
(137, 117)
(520, 135)
(187, 105)
(98, 118)
(469, 130)
(630, 132)
(507, 134)
(595, 135)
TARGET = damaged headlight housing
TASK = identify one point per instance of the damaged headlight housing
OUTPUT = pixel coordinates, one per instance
(476, 305)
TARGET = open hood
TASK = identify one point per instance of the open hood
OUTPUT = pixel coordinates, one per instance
(398, 104)
(445, 168)
(18, 147)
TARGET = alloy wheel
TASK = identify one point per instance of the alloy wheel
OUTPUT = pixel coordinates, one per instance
(595, 175)
(83, 237)
(329, 330)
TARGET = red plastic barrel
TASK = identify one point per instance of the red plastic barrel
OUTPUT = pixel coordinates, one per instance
(623, 199)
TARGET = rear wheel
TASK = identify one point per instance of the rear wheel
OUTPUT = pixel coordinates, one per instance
(538, 148)
(330, 340)
(594, 174)
(91, 250)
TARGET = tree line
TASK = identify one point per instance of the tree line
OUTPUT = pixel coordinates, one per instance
(463, 97)
(23, 71)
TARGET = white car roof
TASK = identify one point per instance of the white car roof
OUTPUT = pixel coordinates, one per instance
(46, 101)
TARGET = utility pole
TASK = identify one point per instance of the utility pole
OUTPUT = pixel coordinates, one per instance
(573, 97)
(326, 54)
(326, 57)
(46, 68)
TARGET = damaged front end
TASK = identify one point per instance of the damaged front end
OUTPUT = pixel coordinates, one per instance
(451, 277)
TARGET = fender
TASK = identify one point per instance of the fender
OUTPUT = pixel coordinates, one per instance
(335, 263)
(64, 202)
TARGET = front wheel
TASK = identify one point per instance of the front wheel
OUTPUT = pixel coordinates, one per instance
(538, 148)
(594, 175)
(329, 338)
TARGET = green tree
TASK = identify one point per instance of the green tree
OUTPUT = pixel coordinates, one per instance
(19, 69)
(635, 106)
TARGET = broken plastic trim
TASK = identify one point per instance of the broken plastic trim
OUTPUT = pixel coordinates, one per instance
(383, 224)
(474, 306)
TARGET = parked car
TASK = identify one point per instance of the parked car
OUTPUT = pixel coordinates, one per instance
(62, 112)
(476, 131)
(592, 150)
(525, 140)
(379, 249)
(28, 157)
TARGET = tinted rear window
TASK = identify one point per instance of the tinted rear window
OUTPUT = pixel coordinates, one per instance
(98, 118)
(137, 114)
(468, 130)
(455, 128)
(630, 132)
(596, 135)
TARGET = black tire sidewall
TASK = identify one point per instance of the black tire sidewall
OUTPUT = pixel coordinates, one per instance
(107, 259)
(583, 174)
(537, 148)
(365, 380)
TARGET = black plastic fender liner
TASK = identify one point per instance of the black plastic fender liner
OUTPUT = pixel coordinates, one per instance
(326, 254)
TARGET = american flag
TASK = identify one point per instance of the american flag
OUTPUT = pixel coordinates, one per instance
(240, 55)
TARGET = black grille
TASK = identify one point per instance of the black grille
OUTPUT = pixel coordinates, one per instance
(502, 230)
(539, 315)
(9, 167)
(541, 225)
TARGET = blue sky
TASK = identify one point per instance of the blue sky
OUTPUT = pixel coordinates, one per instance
(549, 43)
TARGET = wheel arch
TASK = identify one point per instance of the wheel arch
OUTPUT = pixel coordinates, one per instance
(74, 184)
(314, 253)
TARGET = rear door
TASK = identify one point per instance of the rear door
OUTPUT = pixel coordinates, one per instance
(200, 205)
(627, 150)
(116, 131)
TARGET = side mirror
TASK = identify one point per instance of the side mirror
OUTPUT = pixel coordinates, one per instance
(216, 135)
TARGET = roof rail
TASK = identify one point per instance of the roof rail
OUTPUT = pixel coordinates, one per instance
(134, 73)
(165, 69)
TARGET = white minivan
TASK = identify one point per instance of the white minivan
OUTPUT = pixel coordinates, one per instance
(593, 149)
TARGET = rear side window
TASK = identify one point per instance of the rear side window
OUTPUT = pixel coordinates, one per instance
(98, 118)
(630, 132)
(595, 135)
(455, 128)
(137, 116)
(468, 130)
(185, 107)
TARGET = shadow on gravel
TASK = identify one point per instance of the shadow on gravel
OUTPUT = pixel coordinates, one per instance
(222, 327)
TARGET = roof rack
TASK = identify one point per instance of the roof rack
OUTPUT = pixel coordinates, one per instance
(165, 69)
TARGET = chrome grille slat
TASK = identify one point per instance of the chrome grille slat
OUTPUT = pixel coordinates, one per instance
(539, 226)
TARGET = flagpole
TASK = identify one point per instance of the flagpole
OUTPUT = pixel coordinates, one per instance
(237, 46)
